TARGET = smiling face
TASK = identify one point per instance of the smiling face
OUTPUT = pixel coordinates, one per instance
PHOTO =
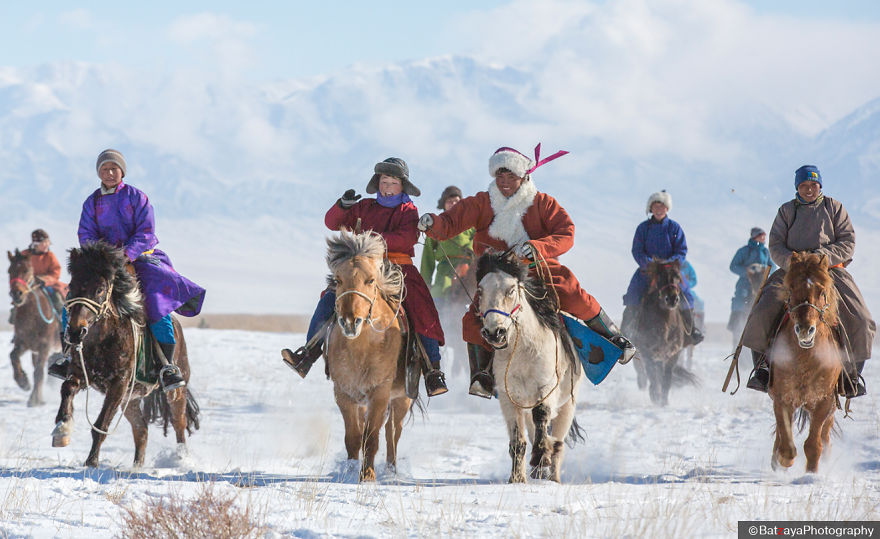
(390, 186)
(507, 182)
(809, 190)
(110, 174)
(658, 210)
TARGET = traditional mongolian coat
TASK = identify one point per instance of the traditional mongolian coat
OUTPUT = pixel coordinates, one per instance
(824, 227)
(47, 268)
(663, 240)
(752, 253)
(124, 218)
(502, 223)
(436, 270)
(398, 225)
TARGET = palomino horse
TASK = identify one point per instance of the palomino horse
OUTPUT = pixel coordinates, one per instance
(367, 364)
(536, 371)
(37, 326)
(805, 359)
(105, 315)
(659, 332)
(755, 275)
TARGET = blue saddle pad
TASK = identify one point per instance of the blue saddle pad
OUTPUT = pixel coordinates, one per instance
(598, 355)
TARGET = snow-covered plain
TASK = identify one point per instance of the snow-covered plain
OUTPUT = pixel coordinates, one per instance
(693, 468)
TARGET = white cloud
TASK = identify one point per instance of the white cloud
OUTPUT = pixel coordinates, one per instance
(229, 40)
(81, 19)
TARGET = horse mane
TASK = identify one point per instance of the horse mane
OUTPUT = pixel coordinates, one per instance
(108, 262)
(540, 297)
(347, 245)
(812, 268)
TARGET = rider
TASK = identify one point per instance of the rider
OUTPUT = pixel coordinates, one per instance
(512, 214)
(47, 271)
(393, 215)
(442, 255)
(819, 224)
(658, 237)
(754, 252)
(121, 215)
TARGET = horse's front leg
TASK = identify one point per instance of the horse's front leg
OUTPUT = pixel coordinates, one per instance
(353, 433)
(112, 400)
(542, 447)
(135, 416)
(668, 367)
(39, 360)
(821, 415)
(393, 427)
(64, 418)
(18, 373)
(516, 431)
(784, 450)
(377, 408)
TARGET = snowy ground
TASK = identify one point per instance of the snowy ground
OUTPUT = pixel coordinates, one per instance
(694, 468)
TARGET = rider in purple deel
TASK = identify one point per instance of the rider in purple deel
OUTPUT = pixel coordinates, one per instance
(121, 215)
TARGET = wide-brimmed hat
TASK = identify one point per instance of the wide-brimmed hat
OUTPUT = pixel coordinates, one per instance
(396, 167)
(449, 192)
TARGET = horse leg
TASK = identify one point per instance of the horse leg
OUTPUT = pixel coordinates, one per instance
(542, 446)
(559, 428)
(516, 431)
(377, 409)
(668, 367)
(64, 418)
(784, 450)
(353, 433)
(654, 372)
(17, 372)
(820, 414)
(39, 360)
(397, 411)
(112, 400)
(135, 416)
(641, 373)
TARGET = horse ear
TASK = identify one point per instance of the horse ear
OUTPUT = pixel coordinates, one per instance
(795, 257)
(9, 254)
(823, 260)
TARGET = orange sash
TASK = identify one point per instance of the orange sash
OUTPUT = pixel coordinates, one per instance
(399, 258)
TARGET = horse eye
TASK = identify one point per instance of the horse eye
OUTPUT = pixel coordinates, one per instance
(511, 291)
(370, 281)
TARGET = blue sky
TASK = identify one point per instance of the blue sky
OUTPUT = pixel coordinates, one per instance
(281, 39)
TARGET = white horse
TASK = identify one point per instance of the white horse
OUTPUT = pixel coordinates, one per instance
(537, 374)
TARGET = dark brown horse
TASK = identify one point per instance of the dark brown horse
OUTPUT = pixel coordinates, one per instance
(660, 331)
(105, 315)
(805, 360)
(37, 326)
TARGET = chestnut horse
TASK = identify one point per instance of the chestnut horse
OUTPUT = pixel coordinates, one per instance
(367, 364)
(106, 314)
(805, 359)
(37, 325)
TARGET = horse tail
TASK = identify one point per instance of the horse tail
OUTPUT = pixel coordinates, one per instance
(683, 377)
(156, 409)
(575, 434)
(802, 419)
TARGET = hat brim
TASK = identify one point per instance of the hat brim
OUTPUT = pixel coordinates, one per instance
(408, 187)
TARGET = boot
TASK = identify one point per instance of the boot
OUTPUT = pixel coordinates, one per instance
(169, 375)
(851, 383)
(304, 357)
(60, 368)
(759, 380)
(696, 336)
(12, 316)
(57, 300)
(482, 381)
(604, 326)
(435, 383)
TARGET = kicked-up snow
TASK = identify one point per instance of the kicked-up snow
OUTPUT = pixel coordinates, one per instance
(275, 441)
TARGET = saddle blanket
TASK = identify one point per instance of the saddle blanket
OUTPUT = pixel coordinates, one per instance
(597, 354)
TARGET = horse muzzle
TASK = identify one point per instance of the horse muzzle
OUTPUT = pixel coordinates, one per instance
(671, 301)
(76, 335)
(806, 337)
(351, 329)
(497, 338)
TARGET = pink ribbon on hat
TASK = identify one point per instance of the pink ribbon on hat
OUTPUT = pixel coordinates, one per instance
(539, 162)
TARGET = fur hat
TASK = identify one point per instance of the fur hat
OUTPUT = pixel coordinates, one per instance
(807, 173)
(449, 192)
(755, 232)
(39, 235)
(396, 167)
(510, 159)
(662, 197)
(113, 156)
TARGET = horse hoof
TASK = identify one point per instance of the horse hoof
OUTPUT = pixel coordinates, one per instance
(60, 441)
(541, 472)
(368, 475)
(91, 463)
(35, 402)
(61, 435)
(517, 479)
(22, 380)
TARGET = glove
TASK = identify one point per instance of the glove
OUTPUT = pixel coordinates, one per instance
(425, 222)
(527, 251)
(349, 199)
(150, 259)
(38, 281)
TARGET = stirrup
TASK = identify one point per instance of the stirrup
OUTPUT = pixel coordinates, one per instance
(759, 380)
(60, 368)
(172, 373)
(435, 383)
(478, 385)
(300, 360)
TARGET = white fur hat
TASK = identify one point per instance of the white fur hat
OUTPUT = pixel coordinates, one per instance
(510, 159)
(662, 197)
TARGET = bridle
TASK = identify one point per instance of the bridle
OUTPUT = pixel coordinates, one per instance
(100, 310)
(805, 303)
(28, 288)
(372, 301)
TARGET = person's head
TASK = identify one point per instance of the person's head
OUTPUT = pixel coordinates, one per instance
(111, 168)
(450, 197)
(390, 186)
(808, 182)
(659, 204)
(757, 233)
(510, 169)
(394, 168)
(39, 241)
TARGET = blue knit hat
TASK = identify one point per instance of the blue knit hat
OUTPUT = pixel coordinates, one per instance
(807, 173)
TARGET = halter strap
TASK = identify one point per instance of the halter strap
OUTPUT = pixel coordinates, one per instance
(502, 313)
(100, 309)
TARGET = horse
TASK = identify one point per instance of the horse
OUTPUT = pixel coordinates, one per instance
(106, 316)
(660, 332)
(805, 360)
(535, 367)
(367, 364)
(37, 325)
(755, 275)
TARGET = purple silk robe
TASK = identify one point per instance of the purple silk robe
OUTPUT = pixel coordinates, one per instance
(125, 219)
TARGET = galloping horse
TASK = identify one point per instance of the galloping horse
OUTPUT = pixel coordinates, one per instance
(536, 370)
(106, 315)
(659, 332)
(805, 359)
(37, 326)
(367, 364)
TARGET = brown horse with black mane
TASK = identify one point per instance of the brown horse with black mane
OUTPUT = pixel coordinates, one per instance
(367, 364)
(37, 326)
(106, 317)
(805, 359)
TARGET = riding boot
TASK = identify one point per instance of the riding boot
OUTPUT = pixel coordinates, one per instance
(851, 383)
(604, 326)
(57, 300)
(12, 315)
(759, 380)
(304, 357)
(169, 375)
(60, 368)
(435, 380)
(696, 336)
(482, 381)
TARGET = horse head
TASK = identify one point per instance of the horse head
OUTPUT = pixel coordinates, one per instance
(811, 296)
(755, 275)
(360, 276)
(665, 282)
(100, 286)
(21, 276)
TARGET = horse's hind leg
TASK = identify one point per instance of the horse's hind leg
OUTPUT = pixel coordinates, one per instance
(821, 414)
(64, 418)
(784, 450)
(542, 447)
(112, 400)
(18, 373)
(135, 416)
(39, 360)
(178, 412)
(397, 411)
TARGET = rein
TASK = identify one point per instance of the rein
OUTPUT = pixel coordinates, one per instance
(372, 301)
(100, 309)
(31, 289)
